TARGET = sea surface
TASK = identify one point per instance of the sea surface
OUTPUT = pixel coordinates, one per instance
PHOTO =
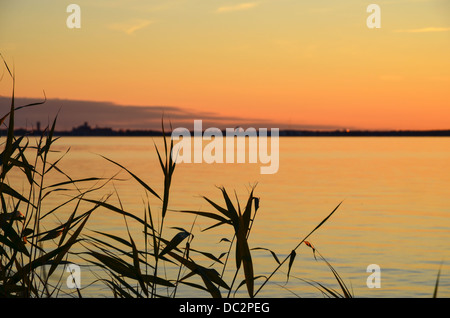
(395, 211)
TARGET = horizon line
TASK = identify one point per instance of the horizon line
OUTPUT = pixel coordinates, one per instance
(86, 130)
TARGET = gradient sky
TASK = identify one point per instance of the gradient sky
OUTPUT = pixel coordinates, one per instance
(288, 61)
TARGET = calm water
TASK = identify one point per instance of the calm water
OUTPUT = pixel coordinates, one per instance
(395, 211)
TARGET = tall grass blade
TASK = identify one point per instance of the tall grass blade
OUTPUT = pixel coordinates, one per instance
(15, 240)
(243, 255)
(174, 242)
(231, 210)
(10, 191)
(70, 242)
(114, 264)
(219, 208)
(137, 269)
(116, 238)
(209, 255)
(274, 255)
(244, 282)
(291, 262)
(211, 274)
(304, 239)
(435, 292)
(116, 210)
(135, 177)
(45, 259)
(207, 215)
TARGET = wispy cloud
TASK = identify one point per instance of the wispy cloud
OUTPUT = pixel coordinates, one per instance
(423, 30)
(73, 113)
(237, 7)
(130, 27)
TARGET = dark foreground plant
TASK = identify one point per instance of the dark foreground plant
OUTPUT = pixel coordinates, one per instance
(34, 242)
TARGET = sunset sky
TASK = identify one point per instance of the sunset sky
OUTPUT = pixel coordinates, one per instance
(290, 63)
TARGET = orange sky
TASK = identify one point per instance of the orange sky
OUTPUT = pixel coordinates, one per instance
(286, 61)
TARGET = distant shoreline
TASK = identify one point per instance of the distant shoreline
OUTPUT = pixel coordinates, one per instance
(108, 132)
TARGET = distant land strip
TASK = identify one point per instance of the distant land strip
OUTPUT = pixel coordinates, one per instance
(86, 130)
